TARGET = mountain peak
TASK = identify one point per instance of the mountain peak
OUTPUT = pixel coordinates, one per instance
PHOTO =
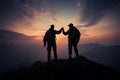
(76, 69)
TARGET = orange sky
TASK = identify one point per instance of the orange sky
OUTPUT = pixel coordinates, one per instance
(38, 27)
(39, 23)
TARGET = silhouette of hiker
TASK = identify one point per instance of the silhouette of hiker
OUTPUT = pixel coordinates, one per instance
(73, 39)
(50, 39)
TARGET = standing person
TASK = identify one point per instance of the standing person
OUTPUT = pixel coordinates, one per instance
(50, 39)
(73, 39)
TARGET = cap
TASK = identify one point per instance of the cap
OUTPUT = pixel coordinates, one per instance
(70, 24)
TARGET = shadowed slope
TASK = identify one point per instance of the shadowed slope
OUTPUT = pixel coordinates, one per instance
(75, 69)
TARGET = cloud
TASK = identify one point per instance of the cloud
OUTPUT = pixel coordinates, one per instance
(92, 11)
(14, 10)
(8, 12)
(40, 10)
(21, 11)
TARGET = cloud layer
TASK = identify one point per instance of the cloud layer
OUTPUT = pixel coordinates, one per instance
(92, 11)
(14, 10)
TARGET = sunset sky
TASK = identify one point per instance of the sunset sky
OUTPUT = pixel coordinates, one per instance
(97, 20)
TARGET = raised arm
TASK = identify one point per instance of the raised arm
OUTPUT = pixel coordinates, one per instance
(65, 33)
(58, 32)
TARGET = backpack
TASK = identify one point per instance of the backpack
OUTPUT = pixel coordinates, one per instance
(76, 33)
(49, 36)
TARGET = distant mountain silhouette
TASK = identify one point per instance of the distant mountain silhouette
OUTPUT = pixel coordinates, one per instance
(7, 36)
(76, 69)
(4, 33)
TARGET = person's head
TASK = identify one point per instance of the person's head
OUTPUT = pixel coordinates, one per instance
(52, 27)
(70, 25)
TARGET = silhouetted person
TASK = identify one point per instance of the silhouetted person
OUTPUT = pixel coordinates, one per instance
(73, 39)
(50, 39)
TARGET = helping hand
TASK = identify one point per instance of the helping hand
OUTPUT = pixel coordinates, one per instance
(62, 28)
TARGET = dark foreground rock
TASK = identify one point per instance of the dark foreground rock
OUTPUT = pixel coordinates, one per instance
(76, 69)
